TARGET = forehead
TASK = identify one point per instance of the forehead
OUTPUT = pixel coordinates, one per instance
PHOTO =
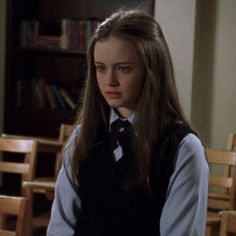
(115, 49)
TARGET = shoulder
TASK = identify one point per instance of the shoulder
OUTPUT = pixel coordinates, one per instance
(191, 141)
(191, 166)
(191, 144)
(70, 145)
(191, 153)
(72, 139)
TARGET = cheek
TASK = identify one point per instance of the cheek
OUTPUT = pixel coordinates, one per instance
(99, 83)
(138, 89)
(135, 86)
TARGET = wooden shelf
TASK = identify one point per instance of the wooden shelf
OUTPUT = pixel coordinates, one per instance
(64, 68)
(45, 50)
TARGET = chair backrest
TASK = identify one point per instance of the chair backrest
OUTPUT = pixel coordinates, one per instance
(228, 223)
(15, 206)
(30, 148)
(222, 187)
(65, 131)
(16, 146)
(231, 144)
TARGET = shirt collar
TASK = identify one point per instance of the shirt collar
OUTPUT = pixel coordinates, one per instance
(114, 116)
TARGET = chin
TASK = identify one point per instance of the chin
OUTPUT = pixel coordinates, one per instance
(114, 104)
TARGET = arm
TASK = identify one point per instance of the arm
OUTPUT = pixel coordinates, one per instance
(185, 209)
(66, 204)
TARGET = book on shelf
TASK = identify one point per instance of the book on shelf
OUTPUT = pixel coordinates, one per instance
(38, 91)
(28, 33)
(59, 98)
(82, 35)
(48, 41)
(63, 34)
(66, 96)
(51, 97)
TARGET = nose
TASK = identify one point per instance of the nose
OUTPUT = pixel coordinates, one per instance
(112, 79)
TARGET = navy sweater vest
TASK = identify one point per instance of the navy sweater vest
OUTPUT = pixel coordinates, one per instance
(107, 209)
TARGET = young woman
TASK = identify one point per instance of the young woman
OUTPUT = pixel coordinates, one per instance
(132, 166)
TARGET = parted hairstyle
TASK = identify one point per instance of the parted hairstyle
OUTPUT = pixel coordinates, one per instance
(158, 105)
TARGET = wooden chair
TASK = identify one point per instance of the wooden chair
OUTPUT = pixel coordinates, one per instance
(43, 185)
(39, 186)
(26, 168)
(222, 186)
(64, 133)
(231, 144)
(14, 206)
(30, 147)
(222, 192)
(228, 223)
(212, 226)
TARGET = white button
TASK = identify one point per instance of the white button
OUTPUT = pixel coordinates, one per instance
(121, 129)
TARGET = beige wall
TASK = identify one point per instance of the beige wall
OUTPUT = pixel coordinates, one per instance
(202, 39)
(203, 76)
(2, 53)
(214, 80)
(177, 19)
(224, 86)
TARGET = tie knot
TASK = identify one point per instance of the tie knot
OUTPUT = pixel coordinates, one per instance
(120, 126)
(121, 132)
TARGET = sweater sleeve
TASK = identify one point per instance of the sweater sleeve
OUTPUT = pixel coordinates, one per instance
(185, 209)
(66, 204)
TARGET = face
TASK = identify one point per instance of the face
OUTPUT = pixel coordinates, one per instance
(120, 73)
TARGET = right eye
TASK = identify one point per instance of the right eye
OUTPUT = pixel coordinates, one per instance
(100, 68)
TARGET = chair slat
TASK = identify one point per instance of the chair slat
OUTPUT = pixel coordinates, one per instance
(228, 223)
(231, 144)
(10, 204)
(225, 182)
(221, 204)
(221, 157)
(222, 184)
(9, 167)
(7, 233)
(16, 206)
(218, 196)
(25, 166)
(14, 145)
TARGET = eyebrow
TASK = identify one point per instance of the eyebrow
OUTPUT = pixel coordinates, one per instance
(118, 63)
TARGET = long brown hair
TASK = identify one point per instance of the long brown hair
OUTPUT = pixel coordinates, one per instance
(158, 105)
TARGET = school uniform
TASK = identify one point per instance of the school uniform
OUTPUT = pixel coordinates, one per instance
(175, 205)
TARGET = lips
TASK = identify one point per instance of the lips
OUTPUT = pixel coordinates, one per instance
(113, 94)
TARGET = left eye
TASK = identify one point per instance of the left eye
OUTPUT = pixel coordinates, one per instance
(124, 69)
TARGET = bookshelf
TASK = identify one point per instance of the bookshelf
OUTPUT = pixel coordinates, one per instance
(41, 53)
